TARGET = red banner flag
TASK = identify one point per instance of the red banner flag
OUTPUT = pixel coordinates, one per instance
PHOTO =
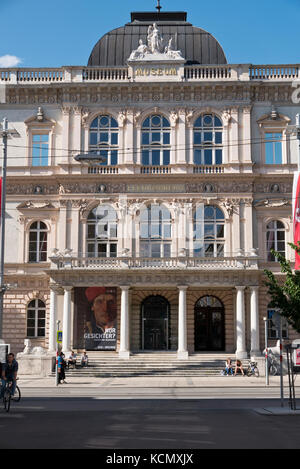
(296, 215)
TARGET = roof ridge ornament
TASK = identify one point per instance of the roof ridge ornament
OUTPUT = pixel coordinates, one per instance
(157, 47)
(158, 7)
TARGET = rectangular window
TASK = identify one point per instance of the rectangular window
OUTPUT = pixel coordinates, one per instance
(156, 157)
(273, 148)
(208, 157)
(40, 149)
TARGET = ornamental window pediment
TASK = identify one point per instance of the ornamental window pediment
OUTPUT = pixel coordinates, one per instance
(32, 206)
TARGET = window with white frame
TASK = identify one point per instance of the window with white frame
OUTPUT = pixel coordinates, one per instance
(155, 142)
(36, 319)
(273, 148)
(38, 236)
(40, 150)
(275, 239)
(155, 231)
(209, 231)
(208, 140)
(102, 238)
(104, 138)
(273, 331)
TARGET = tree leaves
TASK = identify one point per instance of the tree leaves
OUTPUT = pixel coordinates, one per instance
(285, 296)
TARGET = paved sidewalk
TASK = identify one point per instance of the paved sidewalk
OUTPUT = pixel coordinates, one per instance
(218, 387)
(27, 381)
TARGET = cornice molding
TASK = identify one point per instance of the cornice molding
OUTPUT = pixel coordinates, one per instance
(74, 96)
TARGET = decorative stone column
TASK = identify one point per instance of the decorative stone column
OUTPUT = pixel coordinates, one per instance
(52, 318)
(254, 325)
(182, 352)
(124, 323)
(66, 342)
(240, 323)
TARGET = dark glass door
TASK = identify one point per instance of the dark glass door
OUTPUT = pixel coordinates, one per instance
(155, 323)
(209, 327)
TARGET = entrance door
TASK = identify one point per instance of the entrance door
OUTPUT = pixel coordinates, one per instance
(209, 324)
(155, 323)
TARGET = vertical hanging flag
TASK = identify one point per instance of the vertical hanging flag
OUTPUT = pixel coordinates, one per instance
(296, 215)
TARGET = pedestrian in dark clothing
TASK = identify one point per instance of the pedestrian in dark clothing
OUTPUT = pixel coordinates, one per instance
(61, 364)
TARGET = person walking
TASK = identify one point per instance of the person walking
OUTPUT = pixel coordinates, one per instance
(61, 364)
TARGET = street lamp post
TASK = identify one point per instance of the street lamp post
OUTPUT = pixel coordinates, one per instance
(5, 133)
(266, 351)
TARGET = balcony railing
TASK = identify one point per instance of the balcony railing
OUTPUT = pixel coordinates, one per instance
(198, 73)
(208, 169)
(172, 263)
(274, 72)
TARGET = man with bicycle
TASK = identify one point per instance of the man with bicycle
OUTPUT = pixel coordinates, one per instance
(9, 373)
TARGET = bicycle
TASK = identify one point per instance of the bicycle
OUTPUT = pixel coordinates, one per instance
(7, 396)
(252, 370)
(272, 365)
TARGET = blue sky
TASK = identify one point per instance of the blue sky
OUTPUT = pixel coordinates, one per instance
(53, 33)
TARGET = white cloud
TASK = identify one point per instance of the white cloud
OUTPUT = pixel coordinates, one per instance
(9, 61)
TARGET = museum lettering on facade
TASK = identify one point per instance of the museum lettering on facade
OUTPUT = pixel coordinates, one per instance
(145, 195)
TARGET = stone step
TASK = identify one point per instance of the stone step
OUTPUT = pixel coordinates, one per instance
(161, 373)
(151, 364)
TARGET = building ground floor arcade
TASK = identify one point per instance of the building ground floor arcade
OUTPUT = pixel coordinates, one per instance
(151, 312)
(185, 314)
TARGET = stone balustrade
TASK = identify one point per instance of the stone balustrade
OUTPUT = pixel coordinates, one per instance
(189, 263)
(274, 72)
(201, 73)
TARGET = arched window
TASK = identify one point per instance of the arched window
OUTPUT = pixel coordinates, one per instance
(155, 231)
(36, 318)
(102, 232)
(275, 239)
(156, 141)
(209, 236)
(38, 233)
(104, 139)
(208, 140)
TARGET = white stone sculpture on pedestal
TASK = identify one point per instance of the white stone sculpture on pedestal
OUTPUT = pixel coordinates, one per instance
(156, 49)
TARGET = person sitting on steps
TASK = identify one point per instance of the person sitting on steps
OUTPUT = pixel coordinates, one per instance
(239, 367)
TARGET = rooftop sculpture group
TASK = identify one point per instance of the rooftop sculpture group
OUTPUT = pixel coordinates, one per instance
(156, 49)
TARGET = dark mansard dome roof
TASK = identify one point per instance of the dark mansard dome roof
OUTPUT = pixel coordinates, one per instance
(197, 46)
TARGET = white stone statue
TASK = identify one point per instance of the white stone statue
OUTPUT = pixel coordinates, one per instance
(27, 349)
(38, 351)
(155, 40)
(156, 48)
(174, 54)
(140, 52)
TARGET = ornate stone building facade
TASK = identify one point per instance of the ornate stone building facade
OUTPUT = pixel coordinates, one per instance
(156, 180)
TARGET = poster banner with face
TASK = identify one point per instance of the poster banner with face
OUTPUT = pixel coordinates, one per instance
(96, 309)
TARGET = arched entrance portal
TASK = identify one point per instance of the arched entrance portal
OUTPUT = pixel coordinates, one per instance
(155, 323)
(209, 324)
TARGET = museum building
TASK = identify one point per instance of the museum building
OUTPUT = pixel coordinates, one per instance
(145, 194)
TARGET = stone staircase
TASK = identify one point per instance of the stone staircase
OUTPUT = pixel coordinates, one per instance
(152, 364)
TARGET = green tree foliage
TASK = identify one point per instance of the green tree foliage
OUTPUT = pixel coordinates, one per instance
(286, 296)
